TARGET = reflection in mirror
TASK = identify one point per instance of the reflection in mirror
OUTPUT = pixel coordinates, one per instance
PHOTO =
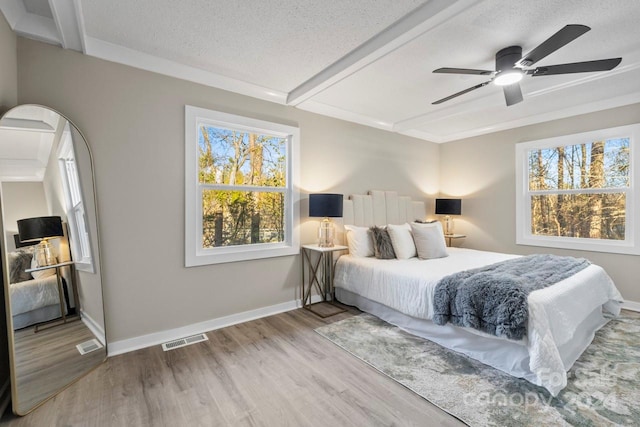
(51, 265)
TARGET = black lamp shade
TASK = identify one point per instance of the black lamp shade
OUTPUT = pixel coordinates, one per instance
(448, 206)
(34, 229)
(325, 205)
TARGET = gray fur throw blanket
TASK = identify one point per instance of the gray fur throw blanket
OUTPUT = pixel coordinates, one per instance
(493, 298)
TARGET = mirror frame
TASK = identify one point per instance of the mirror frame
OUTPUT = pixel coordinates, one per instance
(95, 246)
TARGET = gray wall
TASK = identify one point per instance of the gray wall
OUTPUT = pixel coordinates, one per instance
(8, 98)
(134, 123)
(8, 67)
(87, 283)
(482, 171)
(21, 200)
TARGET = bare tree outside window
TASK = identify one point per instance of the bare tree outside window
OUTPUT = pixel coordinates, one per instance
(242, 176)
(580, 190)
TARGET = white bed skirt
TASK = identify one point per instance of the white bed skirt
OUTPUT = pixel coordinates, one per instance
(508, 356)
(38, 315)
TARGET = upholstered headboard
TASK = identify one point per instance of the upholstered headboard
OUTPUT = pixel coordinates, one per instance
(381, 208)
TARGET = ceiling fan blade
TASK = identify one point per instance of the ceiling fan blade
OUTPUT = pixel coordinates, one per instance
(463, 71)
(440, 101)
(576, 67)
(566, 35)
(512, 93)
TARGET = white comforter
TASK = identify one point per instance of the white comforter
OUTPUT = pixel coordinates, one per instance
(408, 286)
(33, 294)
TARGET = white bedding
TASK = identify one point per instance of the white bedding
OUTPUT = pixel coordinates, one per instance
(555, 313)
(33, 294)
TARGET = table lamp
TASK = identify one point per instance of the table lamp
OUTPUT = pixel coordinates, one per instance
(325, 206)
(448, 207)
(41, 229)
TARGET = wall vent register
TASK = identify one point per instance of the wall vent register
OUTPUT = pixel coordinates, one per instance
(182, 342)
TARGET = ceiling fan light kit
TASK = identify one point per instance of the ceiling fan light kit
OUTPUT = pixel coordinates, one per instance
(508, 77)
(510, 65)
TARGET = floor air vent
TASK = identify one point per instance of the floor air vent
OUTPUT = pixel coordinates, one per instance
(88, 346)
(181, 342)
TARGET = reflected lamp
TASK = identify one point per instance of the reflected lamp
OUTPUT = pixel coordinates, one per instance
(448, 207)
(325, 205)
(41, 229)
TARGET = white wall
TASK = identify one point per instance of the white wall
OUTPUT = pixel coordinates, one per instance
(481, 171)
(134, 123)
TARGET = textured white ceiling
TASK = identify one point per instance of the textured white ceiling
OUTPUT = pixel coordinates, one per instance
(401, 86)
(277, 44)
(38, 7)
(367, 61)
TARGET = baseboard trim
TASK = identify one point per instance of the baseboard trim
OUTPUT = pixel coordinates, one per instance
(631, 305)
(93, 326)
(156, 338)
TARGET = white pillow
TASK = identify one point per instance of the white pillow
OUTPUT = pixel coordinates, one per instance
(359, 241)
(429, 240)
(402, 241)
(41, 273)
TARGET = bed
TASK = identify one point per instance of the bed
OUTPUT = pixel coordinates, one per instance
(33, 300)
(562, 319)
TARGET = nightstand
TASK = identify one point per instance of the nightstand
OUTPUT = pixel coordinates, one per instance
(449, 237)
(64, 311)
(319, 262)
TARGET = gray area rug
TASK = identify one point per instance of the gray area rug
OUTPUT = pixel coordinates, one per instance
(603, 389)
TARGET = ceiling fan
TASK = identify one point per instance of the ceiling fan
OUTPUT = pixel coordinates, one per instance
(511, 65)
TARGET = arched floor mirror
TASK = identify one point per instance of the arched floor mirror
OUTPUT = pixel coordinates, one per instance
(50, 254)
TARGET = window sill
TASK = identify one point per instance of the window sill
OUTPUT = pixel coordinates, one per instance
(238, 253)
(84, 266)
(591, 245)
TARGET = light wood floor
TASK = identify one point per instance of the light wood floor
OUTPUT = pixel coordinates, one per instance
(48, 360)
(274, 371)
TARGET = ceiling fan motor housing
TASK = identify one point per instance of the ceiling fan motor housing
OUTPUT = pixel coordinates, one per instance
(507, 57)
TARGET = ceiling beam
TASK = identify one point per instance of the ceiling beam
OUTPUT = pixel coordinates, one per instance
(68, 24)
(422, 19)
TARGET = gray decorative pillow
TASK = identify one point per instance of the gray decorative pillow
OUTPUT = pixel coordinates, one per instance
(429, 240)
(19, 261)
(382, 247)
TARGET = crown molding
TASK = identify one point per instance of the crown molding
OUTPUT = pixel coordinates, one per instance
(349, 116)
(577, 110)
(123, 55)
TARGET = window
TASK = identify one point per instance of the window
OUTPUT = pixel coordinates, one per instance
(578, 191)
(241, 198)
(79, 235)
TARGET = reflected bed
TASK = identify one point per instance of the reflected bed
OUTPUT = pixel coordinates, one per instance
(33, 299)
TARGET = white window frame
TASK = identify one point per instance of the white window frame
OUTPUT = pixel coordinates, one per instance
(631, 243)
(195, 254)
(80, 240)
